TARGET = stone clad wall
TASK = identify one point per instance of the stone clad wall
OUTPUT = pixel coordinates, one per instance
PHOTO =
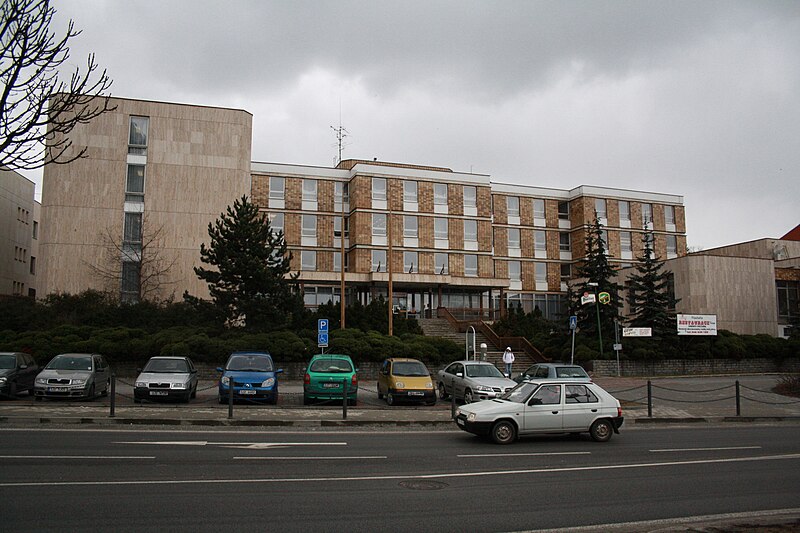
(685, 367)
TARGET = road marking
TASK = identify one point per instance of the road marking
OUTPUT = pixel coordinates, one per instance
(76, 457)
(793, 456)
(311, 458)
(244, 445)
(522, 454)
(707, 449)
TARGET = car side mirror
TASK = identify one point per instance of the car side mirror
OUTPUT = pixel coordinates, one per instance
(219, 369)
(23, 367)
(279, 371)
(194, 371)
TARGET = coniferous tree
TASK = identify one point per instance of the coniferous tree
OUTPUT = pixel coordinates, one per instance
(596, 269)
(652, 305)
(251, 282)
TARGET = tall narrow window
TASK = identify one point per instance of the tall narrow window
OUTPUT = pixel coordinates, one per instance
(470, 196)
(512, 205)
(624, 211)
(130, 281)
(647, 215)
(410, 227)
(134, 185)
(341, 192)
(470, 231)
(600, 208)
(540, 272)
(539, 241)
(563, 210)
(513, 238)
(441, 263)
(471, 265)
(378, 261)
(538, 208)
(379, 224)
(564, 242)
(625, 243)
(672, 246)
(276, 222)
(309, 190)
(410, 191)
(309, 226)
(137, 139)
(440, 194)
(410, 263)
(337, 227)
(276, 188)
(669, 215)
(379, 189)
(133, 228)
(440, 228)
(514, 271)
(308, 260)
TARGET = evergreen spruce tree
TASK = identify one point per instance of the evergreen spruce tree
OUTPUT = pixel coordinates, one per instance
(250, 282)
(652, 306)
(596, 269)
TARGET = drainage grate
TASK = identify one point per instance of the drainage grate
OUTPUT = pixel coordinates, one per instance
(418, 484)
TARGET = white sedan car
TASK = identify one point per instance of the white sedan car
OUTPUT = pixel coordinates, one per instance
(534, 407)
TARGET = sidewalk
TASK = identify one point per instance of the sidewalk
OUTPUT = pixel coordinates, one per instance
(712, 401)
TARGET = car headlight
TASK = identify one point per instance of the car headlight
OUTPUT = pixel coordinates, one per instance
(226, 380)
(429, 385)
(177, 385)
(267, 383)
(483, 388)
(79, 382)
(399, 385)
(3, 381)
(471, 417)
(141, 384)
(41, 381)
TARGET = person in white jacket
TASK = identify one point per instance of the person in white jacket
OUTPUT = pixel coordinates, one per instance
(508, 359)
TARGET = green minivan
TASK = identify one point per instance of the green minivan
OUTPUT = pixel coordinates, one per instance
(326, 376)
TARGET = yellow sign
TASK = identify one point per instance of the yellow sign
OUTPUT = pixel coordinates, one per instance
(604, 298)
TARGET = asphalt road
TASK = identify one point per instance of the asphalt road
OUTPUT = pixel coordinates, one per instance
(148, 480)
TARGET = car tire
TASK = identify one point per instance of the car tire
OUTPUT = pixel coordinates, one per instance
(12, 391)
(504, 432)
(91, 395)
(380, 396)
(601, 430)
(31, 391)
(442, 392)
(468, 398)
(389, 398)
(194, 392)
(223, 400)
(108, 387)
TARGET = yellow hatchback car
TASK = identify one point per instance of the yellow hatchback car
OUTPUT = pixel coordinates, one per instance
(402, 379)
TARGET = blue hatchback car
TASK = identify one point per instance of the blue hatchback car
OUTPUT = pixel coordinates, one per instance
(251, 375)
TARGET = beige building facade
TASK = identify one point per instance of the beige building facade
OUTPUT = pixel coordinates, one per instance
(155, 174)
(19, 235)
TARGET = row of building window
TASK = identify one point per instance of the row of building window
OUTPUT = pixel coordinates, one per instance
(134, 194)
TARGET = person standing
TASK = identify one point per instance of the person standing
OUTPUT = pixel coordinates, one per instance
(508, 359)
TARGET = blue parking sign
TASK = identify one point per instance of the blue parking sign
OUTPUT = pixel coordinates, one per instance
(322, 339)
(573, 322)
(322, 325)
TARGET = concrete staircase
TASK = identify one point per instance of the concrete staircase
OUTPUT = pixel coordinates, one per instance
(440, 327)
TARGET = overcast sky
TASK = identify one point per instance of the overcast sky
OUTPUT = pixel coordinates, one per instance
(693, 98)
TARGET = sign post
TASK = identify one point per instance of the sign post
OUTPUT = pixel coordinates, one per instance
(322, 334)
(573, 325)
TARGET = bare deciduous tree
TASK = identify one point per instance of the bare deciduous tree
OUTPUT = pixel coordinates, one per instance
(134, 271)
(37, 108)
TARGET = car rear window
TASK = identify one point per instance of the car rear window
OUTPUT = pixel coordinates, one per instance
(331, 365)
(571, 372)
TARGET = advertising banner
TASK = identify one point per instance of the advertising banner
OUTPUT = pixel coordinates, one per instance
(637, 332)
(697, 324)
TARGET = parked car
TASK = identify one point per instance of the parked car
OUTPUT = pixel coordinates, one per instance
(74, 375)
(325, 377)
(544, 407)
(17, 374)
(552, 371)
(251, 376)
(472, 381)
(166, 378)
(405, 379)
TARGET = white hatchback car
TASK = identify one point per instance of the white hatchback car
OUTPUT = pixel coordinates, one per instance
(535, 407)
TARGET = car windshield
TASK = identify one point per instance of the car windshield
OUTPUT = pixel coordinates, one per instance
(520, 393)
(250, 363)
(571, 372)
(70, 362)
(8, 361)
(331, 365)
(483, 371)
(409, 368)
(167, 366)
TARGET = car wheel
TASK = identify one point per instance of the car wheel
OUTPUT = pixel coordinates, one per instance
(389, 398)
(12, 391)
(194, 392)
(601, 430)
(223, 399)
(108, 387)
(91, 395)
(468, 396)
(31, 391)
(380, 396)
(442, 392)
(504, 432)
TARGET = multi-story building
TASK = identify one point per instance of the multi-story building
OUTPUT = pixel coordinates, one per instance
(444, 238)
(19, 235)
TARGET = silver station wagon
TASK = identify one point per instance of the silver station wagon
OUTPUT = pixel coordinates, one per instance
(73, 375)
(535, 407)
(165, 377)
(472, 381)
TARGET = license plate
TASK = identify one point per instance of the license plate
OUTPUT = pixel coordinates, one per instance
(158, 393)
(57, 389)
(330, 385)
(247, 392)
(416, 393)
(459, 422)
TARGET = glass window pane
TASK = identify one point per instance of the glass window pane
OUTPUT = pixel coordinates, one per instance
(409, 191)
(410, 226)
(514, 271)
(563, 210)
(410, 262)
(276, 188)
(440, 228)
(538, 208)
(442, 265)
(541, 272)
(512, 204)
(564, 243)
(624, 210)
(539, 240)
(308, 260)
(470, 265)
(309, 225)
(135, 183)
(138, 131)
(669, 214)
(600, 207)
(470, 230)
(276, 222)
(440, 193)
(378, 261)
(470, 196)
(513, 238)
(379, 224)
(133, 228)
(378, 189)
(309, 190)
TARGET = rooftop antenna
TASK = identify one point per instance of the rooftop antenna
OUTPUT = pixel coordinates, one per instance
(341, 135)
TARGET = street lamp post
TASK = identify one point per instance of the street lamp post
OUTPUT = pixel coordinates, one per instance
(597, 308)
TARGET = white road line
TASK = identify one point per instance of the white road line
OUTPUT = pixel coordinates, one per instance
(793, 456)
(76, 457)
(250, 445)
(312, 458)
(522, 454)
(707, 449)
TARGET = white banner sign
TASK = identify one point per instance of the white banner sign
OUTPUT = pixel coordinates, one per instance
(588, 299)
(637, 332)
(697, 324)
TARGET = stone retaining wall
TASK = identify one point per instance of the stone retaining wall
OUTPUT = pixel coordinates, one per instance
(686, 367)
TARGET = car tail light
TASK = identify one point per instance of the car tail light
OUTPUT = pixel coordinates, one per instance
(307, 379)
(354, 380)
(619, 411)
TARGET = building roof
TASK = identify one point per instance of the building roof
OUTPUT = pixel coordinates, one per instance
(793, 235)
